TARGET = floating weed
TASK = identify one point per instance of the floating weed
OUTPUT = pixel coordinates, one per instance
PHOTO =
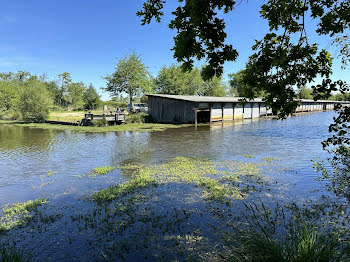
(122, 189)
(79, 176)
(220, 180)
(270, 159)
(103, 170)
(50, 173)
(247, 156)
(19, 213)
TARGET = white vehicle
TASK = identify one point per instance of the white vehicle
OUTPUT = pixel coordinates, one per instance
(137, 108)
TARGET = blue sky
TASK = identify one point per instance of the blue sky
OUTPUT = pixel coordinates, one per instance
(86, 37)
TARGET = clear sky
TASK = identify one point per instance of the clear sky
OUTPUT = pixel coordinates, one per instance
(86, 37)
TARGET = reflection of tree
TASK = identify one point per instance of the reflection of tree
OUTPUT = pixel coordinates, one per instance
(32, 139)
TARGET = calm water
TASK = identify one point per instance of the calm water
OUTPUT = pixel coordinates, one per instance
(27, 154)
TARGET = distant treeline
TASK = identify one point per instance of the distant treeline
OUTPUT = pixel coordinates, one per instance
(31, 97)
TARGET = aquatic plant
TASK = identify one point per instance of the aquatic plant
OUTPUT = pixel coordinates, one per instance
(103, 170)
(12, 255)
(264, 234)
(19, 213)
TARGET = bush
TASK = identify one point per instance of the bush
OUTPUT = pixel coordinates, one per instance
(138, 118)
(99, 122)
(35, 102)
(10, 115)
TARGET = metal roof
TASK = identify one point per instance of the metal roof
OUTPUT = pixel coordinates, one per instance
(215, 99)
(205, 99)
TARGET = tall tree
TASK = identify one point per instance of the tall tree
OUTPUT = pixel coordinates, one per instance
(64, 81)
(214, 87)
(91, 98)
(242, 88)
(75, 94)
(130, 76)
(305, 93)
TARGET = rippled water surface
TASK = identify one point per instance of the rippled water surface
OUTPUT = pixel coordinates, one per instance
(28, 154)
(41, 163)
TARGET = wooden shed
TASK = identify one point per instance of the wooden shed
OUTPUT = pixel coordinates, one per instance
(202, 109)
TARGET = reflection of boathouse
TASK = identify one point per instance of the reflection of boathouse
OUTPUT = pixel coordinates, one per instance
(202, 109)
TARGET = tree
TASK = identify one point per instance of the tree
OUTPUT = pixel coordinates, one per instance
(9, 95)
(242, 88)
(200, 33)
(130, 76)
(91, 98)
(214, 87)
(305, 93)
(173, 81)
(64, 81)
(284, 61)
(35, 102)
(75, 94)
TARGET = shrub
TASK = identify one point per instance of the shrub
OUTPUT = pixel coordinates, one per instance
(35, 102)
(99, 122)
(10, 115)
(138, 118)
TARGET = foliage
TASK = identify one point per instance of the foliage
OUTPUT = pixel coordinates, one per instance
(99, 122)
(339, 146)
(283, 60)
(9, 95)
(279, 234)
(200, 33)
(305, 93)
(35, 102)
(243, 89)
(214, 87)
(19, 213)
(341, 97)
(173, 80)
(62, 88)
(90, 98)
(12, 255)
(75, 95)
(137, 118)
(130, 76)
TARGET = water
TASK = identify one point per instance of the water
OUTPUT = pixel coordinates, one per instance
(27, 155)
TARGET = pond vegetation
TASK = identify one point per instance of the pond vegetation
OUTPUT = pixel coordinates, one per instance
(184, 209)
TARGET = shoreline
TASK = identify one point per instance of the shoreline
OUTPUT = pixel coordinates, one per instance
(136, 127)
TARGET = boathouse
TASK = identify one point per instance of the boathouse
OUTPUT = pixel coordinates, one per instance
(204, 109)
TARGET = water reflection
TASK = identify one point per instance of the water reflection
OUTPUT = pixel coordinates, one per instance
(26, 154)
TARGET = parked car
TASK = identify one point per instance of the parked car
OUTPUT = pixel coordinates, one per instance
(137, 108)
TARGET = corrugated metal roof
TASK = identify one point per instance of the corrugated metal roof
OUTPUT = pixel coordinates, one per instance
(216, 99)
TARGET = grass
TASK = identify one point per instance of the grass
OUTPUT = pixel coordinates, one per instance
(134, 123)
(266, 235)
(217, 184)
(19, 213)
(11, 255)
(136, 127)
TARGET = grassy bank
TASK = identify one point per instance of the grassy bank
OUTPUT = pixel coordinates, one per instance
(139, 127)
(134, 123)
